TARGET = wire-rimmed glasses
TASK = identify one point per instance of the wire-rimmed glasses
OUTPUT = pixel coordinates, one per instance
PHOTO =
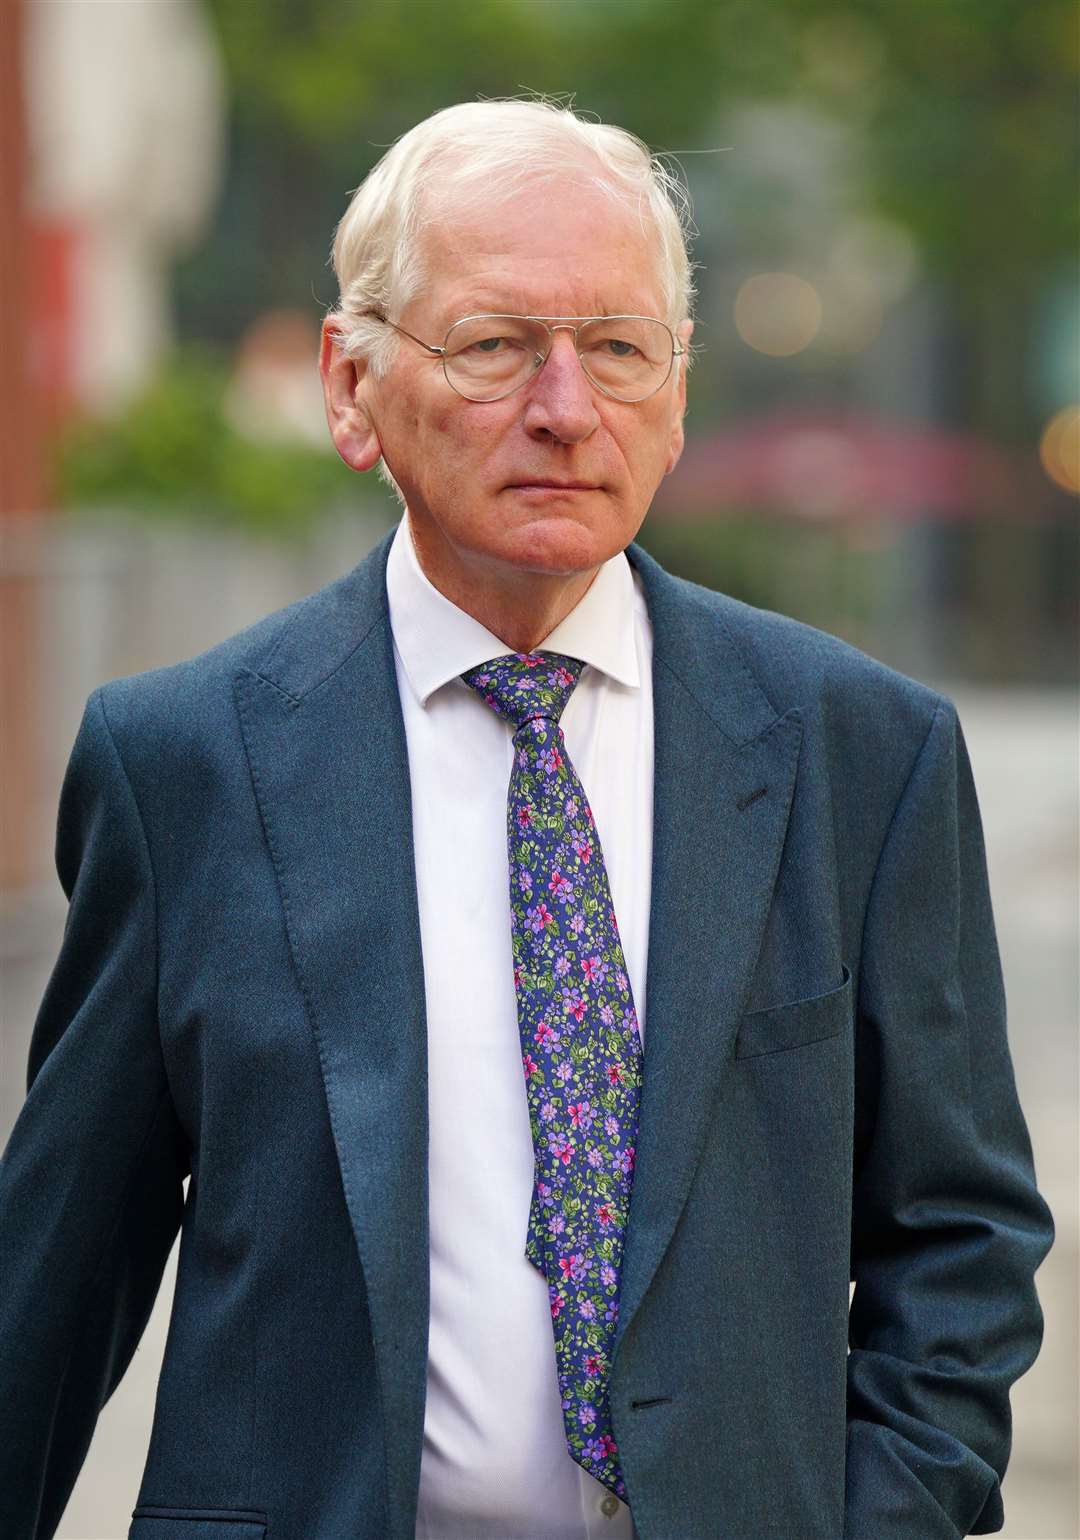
(487, 357)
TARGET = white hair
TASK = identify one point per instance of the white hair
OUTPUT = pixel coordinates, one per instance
(464, 153)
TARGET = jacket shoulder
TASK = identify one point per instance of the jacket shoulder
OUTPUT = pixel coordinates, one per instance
(321, 628)
(801, 659)
(799, 665)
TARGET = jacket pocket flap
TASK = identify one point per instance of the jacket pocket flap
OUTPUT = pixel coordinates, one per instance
(154, 1523)
(792, 1026)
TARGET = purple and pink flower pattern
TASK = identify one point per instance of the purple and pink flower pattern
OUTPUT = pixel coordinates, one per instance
(581, 1050)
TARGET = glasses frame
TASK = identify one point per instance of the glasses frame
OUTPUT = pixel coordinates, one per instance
(551, 325)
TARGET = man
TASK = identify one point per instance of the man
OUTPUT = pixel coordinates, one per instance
(559, 980)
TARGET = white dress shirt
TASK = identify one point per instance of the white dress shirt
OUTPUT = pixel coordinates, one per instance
(495, 1464)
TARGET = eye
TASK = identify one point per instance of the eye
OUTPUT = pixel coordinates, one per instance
(618, 347)
(487, 346)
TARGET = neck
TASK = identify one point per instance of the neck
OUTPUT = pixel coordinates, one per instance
(520, 607)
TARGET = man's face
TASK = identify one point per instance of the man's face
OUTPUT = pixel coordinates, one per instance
(478, 477)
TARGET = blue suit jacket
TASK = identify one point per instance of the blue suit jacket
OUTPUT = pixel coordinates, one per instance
(828, 1095)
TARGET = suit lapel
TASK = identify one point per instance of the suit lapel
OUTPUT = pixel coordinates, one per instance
(325, 738)
(326, 742)
(724, 774)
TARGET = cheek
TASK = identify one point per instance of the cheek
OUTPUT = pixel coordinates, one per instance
(424, 440)
(469, 433)
(450, 428)
(645, 447)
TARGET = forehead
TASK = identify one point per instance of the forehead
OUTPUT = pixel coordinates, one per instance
(560, 247)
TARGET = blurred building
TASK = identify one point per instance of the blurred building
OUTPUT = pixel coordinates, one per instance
(125, 117)
(113, 124)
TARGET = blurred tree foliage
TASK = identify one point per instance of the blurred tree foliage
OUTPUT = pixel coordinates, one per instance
(967, 108)
(174, 454)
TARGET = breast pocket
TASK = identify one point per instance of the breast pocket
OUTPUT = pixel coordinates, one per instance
(795, 1025)
(154, 1523)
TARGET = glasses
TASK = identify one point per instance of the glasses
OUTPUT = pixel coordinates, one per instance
(486, 357)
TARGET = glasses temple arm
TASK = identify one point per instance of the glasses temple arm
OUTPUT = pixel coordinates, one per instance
(439, 352)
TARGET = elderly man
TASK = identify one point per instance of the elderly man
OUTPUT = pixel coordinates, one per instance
(370, 907)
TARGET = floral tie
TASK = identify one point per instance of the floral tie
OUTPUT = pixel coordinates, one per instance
(581, 1051)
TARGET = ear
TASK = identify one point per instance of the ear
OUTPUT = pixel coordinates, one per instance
(675, 447)
(351, 427)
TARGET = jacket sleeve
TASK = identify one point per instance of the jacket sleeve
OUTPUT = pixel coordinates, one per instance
(948, 1228)
(91, 1180)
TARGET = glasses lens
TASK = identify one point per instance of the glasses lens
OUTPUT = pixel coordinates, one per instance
(488, 356)
(627, 356)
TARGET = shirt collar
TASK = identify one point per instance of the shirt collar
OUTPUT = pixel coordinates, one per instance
(436, 641)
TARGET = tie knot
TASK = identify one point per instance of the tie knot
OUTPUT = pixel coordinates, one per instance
(525, 685)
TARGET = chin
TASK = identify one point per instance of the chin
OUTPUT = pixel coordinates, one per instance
(563, 545)
(560, 552)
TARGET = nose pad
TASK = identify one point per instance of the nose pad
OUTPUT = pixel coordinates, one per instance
(543, 359)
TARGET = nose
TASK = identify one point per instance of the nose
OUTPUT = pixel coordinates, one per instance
(560, 401)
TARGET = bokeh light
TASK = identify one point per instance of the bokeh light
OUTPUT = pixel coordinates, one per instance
(1059, 448)
(777, 313)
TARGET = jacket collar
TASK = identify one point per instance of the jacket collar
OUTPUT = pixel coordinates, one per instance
(437, 642)
(690, 640)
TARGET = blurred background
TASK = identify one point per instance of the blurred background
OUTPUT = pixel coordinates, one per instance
(883, 433)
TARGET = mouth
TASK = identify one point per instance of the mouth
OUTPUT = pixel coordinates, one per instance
(548, 484)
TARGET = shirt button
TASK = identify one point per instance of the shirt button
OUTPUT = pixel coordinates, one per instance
(609, 1507)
